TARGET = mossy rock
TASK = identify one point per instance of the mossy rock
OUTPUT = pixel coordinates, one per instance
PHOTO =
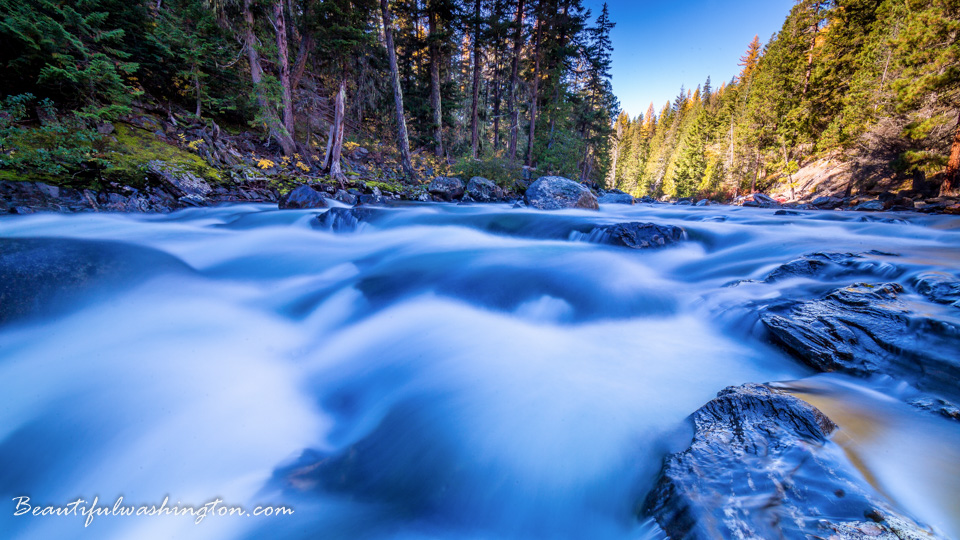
(135, 148)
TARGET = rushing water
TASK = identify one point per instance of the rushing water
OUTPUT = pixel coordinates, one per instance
(444, 371)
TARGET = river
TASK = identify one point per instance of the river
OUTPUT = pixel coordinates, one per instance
(443, 371)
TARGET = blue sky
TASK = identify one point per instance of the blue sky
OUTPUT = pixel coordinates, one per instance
(661, 44)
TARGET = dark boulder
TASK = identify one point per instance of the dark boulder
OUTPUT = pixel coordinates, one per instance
(344, 219)
(482, 190)
(827, 203)
(761, 465)
(615, 196)
(304, 196)
(869, 206)
(446, 188)
(636, 235)
(556, 193)
(867, 330)
(836, 265)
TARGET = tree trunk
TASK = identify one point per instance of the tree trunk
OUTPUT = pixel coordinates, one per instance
(536, 91)
(951, 181)
(813, 44)
(336, 133)
(306, 45)
(196, 82)
(474, 114)
(512, 90)
(435, 104)
(612, 177)
(497, 84)
(283, 57)
(256, 76)
(402, 140)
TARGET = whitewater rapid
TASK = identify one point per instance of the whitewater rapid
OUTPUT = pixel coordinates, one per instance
(455, 371)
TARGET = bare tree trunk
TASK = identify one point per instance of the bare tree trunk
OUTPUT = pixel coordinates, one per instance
(337, 135)
(512, 90)
(435, 104)
(284, 61)
(474, 114)
(536, 91)
(402, 140)
(951, 181)
(256, 76)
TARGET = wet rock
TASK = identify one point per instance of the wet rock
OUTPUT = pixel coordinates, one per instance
(786, 213)
(703, 202)
(47, 276)
(556, 193)
(937, 406)
(480, 189)
(636, 235)
(181, 182)
(765, 201)
(615, 196)
(446, 188)
(344, 197)
(939, 287)
(344, 219)
(304, 196)
(869, 206)
(369, 199)
(866, 330)
(40, 196)
(647, 199)
(827, 203)
(835, 265)
(761, 465)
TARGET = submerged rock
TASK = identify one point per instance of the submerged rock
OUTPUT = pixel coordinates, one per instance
(636, 235)
(48, 276)
(556, 193)
(344, 219)
(867, 330)
(482, 190)
(446, 188)
(939, 287)
(834, 265)
(304, 196)
(615, 196)
(761, 465)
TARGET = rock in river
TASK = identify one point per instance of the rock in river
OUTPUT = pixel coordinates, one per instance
(867, 330)
(636, 235)
(304, 196)
(482, 190)
(761, 465)
(556, 192)
(446, 187)
(344, 219)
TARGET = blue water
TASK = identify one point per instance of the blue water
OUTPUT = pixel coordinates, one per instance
(443, 372)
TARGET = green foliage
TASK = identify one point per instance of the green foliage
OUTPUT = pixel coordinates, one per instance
(58, 145)
(501, 171)
(72, 52)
